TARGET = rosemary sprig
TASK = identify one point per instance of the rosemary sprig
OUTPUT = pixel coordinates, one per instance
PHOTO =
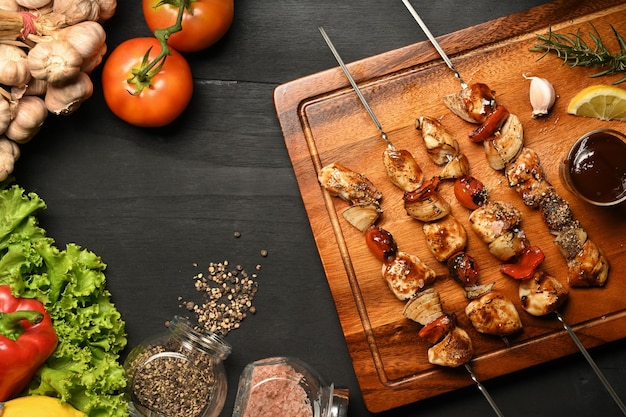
(573, 49)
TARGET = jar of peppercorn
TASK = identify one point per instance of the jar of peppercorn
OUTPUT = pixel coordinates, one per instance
(178, 373)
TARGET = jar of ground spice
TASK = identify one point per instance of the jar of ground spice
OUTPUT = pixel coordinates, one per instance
(287, 387)
(178, 374)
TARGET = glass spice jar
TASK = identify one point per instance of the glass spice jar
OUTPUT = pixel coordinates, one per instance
(178, 373)
(287, 387)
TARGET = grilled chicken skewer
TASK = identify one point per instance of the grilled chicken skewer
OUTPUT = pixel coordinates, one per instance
(455, 338)
(402, 168)
(585, 259)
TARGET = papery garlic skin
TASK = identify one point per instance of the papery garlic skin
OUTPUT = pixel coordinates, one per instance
(55, 61)
(542, 96)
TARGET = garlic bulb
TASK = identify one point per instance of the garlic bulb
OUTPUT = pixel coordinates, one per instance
(63, 99)
(542, 95)
(14, 69)
(30, 113)
(5, 114)
(54, 61)
(9, 153)
(33, 4)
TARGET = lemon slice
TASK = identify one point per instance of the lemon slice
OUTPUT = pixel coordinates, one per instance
(604, 102)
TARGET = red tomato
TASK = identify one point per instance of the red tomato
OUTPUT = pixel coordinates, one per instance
(381, 243)
(159, 104)
(204, 23)
(470, 192)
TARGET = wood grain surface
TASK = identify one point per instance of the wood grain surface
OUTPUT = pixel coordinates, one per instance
(323, 121)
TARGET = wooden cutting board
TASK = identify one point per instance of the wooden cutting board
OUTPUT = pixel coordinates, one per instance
(323, 122)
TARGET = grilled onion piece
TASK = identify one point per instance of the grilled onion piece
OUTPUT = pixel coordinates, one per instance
(495, 314)
(424, 307)
(509, 244)
(440, 143)
(362, 216)
(542, 294)
(503, 148)
(406, 274)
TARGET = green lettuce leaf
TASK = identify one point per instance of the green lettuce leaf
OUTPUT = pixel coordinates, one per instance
(84, 369)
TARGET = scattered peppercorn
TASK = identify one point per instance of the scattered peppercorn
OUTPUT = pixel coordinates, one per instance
(227, 297)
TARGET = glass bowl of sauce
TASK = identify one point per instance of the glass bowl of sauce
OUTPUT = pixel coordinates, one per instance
(595, 167)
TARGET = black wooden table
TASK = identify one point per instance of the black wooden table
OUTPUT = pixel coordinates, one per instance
(158, 205)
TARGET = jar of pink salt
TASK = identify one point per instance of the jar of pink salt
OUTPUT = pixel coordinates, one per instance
(287, 387)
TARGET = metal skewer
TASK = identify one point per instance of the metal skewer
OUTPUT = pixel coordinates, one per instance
(356, 88)
(432, 40)
(567, 328)
(480, 386)
(592, 363)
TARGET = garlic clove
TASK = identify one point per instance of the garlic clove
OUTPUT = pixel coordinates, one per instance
(542, 95)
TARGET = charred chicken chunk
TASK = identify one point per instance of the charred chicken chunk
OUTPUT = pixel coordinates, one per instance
(495, 314)
(494, 219)
(472, 104)
(570, 240)
(527, 177)
(445, 237)
(453, 350)
(406, 274)
(542, 294)
(402, 169)
(556, 212)
(348, 185)
(589, 268)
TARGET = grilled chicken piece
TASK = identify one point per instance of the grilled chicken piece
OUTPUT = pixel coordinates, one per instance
(453, 350)
(494, 219)
(556, 212)
(589, 268)
(348, 185)
(424, 307)
(407, 274)
(440, 144)
(504, 146)
(472, 104)
(445, 237)
(402, 169)
(542, 294)
(495, 314)
(527, 176)
(571, 239)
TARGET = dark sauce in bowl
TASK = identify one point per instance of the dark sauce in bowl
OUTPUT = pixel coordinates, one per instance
(595, 167)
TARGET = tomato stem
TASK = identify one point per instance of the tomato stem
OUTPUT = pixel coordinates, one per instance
(142, 76)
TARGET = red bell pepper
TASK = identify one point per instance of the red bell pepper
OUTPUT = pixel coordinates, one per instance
(491, 125)
(27, 339)
(526, 264)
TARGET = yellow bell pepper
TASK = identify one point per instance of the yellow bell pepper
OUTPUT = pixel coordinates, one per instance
(38, 406)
